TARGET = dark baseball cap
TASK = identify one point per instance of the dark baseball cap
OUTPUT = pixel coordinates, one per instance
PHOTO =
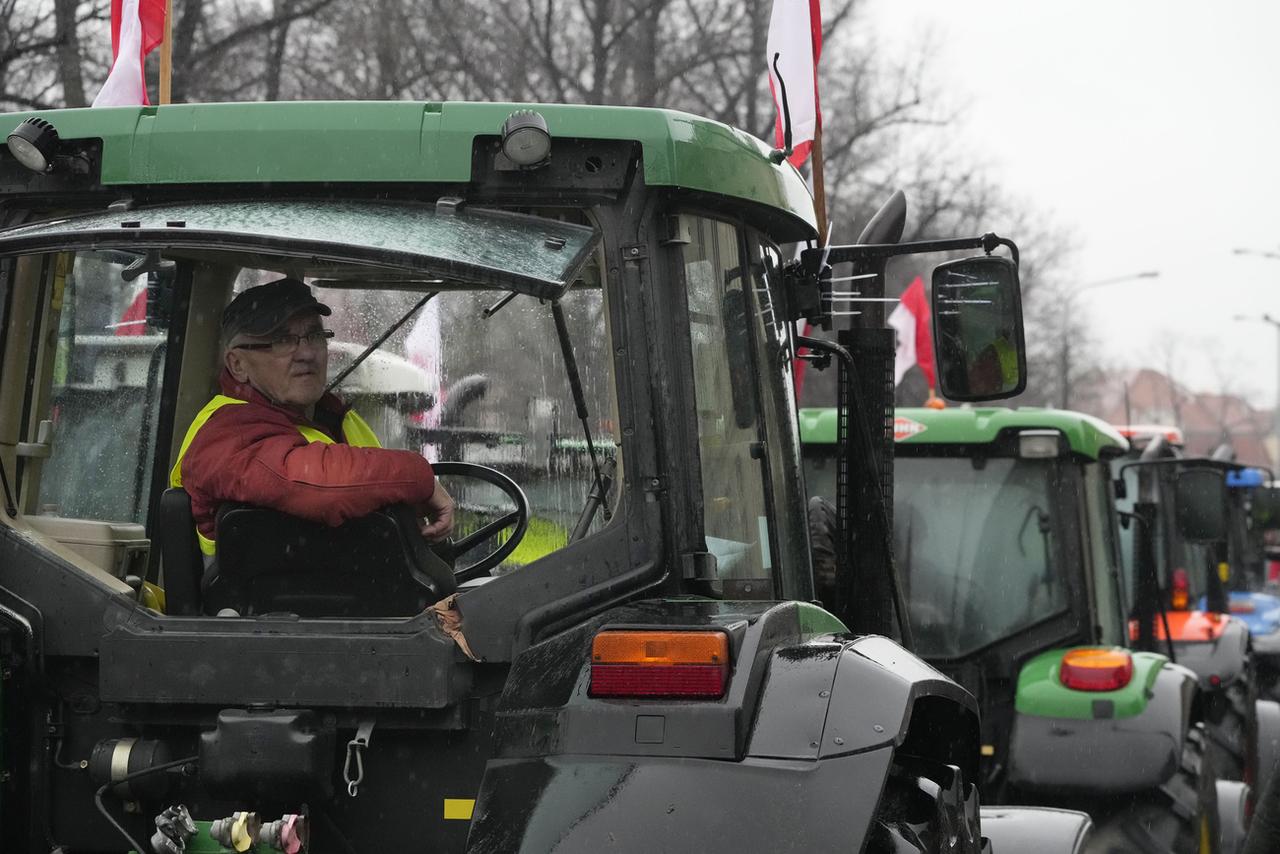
(264, 309)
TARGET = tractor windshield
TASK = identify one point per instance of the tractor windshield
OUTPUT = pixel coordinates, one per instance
(976, 549)
(459, 367)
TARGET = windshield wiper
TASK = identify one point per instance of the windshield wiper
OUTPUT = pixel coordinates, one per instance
(579, 400)
(391, 330)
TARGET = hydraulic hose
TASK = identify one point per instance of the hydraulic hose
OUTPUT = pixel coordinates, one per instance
(142, 772)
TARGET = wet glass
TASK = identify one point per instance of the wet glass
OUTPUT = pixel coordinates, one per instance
(1106, 562)
(976, 550)
(485, 248)
(453, 384)
(107, 373)
(735, 518)
(450, 383)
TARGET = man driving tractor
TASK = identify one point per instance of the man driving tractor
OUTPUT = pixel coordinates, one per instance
(275, 438)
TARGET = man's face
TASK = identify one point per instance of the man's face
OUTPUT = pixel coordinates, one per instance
(290, 376)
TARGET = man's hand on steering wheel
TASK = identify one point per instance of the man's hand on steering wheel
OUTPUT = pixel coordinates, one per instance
(439, 512)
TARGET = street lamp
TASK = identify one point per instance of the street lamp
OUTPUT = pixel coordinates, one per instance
(1261, 253)
(1064, 354)
(1115, 280)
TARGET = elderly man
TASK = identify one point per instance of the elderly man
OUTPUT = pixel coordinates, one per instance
(274, 438)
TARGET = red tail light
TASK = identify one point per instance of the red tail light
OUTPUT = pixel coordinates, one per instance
(1096, 669)
(644, 663)
(1273, 571)
(1180, 596)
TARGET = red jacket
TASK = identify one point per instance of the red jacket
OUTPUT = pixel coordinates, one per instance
(254, 452)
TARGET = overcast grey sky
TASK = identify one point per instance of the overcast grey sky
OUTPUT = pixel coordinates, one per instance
(1151, 129)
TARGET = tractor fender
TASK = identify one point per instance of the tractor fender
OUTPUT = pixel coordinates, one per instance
(1268, 715)
(822, 717)
(1045, 830)
(1223, 658)
(884, 695)
(1105, 755)
(639, 805)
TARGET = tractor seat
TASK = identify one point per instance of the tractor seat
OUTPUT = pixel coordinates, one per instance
(271, 562)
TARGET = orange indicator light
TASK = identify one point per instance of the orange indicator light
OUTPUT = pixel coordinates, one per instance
(642, 663)
(1096, 669)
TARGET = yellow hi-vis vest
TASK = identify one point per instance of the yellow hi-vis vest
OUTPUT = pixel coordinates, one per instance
(355, 430)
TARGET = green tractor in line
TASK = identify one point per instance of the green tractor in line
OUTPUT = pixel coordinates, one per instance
(651, 677)
(1008, 544)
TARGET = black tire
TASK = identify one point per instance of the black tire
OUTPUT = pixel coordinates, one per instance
(1230, 728)
(926, 806)
(1179, 817)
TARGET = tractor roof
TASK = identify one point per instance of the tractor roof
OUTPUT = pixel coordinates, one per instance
(1085, 434)
(406, 141)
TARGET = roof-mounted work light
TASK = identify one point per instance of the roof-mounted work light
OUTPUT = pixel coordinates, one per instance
(526, 142)
(1038, 444)
(33, 143)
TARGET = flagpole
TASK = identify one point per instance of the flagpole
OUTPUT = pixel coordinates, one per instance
(819, 186)
(166, 54)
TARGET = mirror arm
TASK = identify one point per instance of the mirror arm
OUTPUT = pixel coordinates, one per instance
(812, 258)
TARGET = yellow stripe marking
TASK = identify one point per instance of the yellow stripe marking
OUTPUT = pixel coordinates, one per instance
(459, 808)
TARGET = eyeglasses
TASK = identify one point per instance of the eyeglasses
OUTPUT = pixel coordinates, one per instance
(285, 343)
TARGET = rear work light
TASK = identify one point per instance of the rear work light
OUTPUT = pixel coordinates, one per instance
(1096, 669)
(1180, 595)
(644, 663)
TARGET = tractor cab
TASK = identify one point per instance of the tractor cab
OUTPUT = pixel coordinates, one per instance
(416, 352)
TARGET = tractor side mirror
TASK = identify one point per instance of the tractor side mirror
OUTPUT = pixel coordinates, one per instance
(977, 329)
(1200, 496)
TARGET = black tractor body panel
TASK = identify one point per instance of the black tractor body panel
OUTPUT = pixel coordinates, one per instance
(591, 804)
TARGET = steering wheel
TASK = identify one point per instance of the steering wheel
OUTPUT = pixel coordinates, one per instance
(450, 550)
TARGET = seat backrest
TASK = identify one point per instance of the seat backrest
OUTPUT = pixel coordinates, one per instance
(374, 566)
(179, 553)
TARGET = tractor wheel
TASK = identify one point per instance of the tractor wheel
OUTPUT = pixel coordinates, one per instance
(1179, 817)
(1229, 726)
(927, 806)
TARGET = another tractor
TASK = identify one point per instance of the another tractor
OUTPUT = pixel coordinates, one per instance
(1182, 570)
(1008, 545)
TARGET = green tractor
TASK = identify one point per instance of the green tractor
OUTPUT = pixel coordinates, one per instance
(585, 320)
(1008, 545)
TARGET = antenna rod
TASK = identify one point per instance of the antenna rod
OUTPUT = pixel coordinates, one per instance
(786, 109)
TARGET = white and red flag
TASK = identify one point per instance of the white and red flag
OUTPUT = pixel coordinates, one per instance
(795, 40)
(911, 320)
(137, 28)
